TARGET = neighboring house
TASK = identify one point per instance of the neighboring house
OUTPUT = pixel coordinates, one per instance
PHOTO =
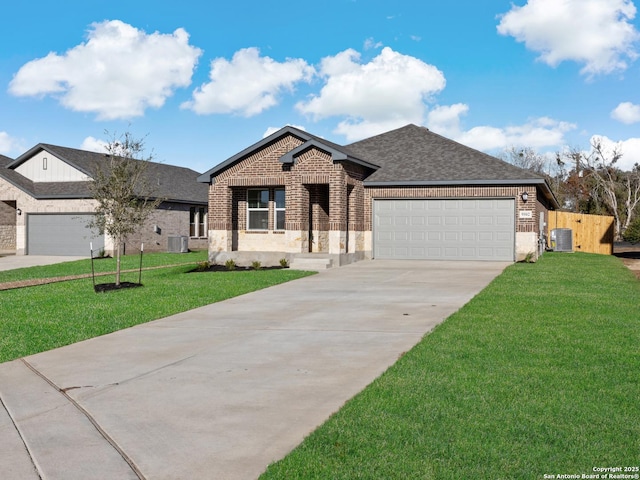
(405, 194)
(46, 205)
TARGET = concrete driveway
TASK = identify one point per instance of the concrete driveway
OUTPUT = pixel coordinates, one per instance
(224, 390)
(11, 262)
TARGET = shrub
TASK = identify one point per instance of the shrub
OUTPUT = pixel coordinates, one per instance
(230, 264)
(202, 266)
(632, 233)
(256, 265)
(284, 263)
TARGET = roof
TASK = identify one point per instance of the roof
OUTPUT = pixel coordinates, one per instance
(4, 161)
(410, 155)
(415, 155)
(173, 183)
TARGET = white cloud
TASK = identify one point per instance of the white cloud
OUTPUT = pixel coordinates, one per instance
(9, 145)
(272, 130)
(539, 133)
(596, 33)
(629, 148)
(248, 84)
(92, 144)
(388, 92)
(370, 43)
(117, 73)
(445, 119)
(626, 112)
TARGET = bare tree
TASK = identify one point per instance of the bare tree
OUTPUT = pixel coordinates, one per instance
(618, 191)
(528, 159)
(549, 166)
(122, 189)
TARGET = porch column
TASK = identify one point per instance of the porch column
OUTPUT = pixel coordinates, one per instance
(338, 206)
(296, 215)
(220, 220)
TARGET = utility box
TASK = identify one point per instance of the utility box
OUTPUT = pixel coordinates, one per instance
(178, 244)
(562, 240)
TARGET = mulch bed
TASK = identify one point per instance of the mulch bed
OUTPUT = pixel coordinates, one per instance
(223, 268)
(108, 287)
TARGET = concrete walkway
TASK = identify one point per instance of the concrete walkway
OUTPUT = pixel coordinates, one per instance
(221, 391)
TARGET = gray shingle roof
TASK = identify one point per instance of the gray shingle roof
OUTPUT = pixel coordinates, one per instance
(410, 155)
(414, 155)
(4, 161)
(178, 184)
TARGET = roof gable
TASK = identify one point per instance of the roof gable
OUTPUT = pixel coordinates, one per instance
(173, 183)
(337, 152)
(207, 176)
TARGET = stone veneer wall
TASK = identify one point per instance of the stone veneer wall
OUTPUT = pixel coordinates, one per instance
(7, 226)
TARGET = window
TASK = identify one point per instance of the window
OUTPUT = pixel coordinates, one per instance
(197, 222)
(279, 208)
(258, 209)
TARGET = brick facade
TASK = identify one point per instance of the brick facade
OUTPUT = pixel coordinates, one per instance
(328, 206)
(320, 196)
(171, 218)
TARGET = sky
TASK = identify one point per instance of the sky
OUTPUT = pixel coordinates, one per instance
(201, 81)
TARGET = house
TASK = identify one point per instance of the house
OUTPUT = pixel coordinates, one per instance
(46, 205)
(405, 194)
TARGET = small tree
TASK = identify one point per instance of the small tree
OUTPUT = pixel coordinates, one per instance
(632, 233)
(122, 189)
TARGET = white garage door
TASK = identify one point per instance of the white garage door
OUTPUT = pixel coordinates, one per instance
(61, 234)
(465, 229)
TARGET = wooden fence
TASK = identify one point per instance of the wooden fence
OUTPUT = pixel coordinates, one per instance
(591, 233)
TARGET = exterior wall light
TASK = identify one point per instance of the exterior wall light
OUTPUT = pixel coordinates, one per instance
(524, 196)
(18, 211)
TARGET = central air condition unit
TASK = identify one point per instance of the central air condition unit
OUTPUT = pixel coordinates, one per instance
(562, 239)
(178, 244)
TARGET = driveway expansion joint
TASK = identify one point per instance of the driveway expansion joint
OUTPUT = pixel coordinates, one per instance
(89, 417)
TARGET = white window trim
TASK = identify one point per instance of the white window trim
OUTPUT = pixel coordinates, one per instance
(257, 209)
(276, 210)
(196, 222)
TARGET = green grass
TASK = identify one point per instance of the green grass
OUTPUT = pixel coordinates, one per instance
(40, 318)
(79, 267)
(538, 374)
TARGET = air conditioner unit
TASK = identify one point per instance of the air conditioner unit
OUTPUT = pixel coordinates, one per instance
(562, 240)
(178, 244)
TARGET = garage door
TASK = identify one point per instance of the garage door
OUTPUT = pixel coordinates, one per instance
(60, 234)
(465, 229)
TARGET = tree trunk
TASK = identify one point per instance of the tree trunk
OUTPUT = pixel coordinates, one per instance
(117, 249)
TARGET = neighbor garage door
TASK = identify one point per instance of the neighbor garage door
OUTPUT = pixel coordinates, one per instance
(465, 229)
(61, 234)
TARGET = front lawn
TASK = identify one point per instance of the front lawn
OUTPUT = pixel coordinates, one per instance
(101, 265)
(35, 319)
(538, 375)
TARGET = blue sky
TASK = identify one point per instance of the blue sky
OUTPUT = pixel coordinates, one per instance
(204, 80)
